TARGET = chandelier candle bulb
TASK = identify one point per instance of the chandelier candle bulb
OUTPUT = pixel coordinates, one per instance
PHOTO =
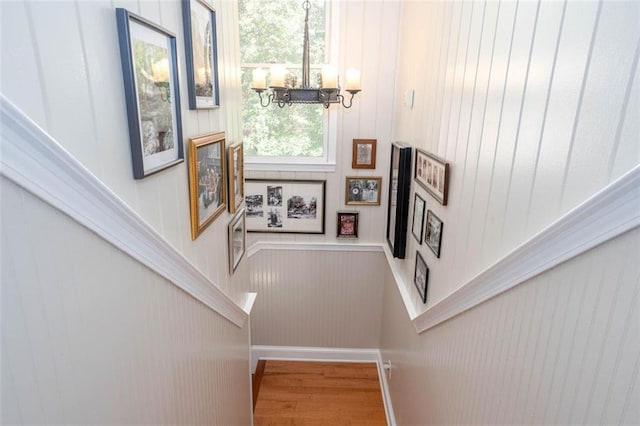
(329, 77)
(259, 79)
(353, 79)
(277, 76)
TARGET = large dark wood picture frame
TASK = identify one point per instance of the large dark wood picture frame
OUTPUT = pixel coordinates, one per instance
(398, 202)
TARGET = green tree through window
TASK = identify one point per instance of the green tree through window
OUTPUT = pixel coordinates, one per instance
(272, 32)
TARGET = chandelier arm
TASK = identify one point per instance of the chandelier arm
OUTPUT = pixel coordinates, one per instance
(350, 100)
(269, 98)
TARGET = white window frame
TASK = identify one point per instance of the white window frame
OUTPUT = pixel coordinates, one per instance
(326, 163)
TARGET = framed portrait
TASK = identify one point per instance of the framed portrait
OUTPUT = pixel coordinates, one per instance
(399, 193)
(207, 180)
(201, 54)
(364, 154)
(418, 217)
(237, 240)
(433, 233)
(421, 277)
(348, 224)
(277, 205)
(432, 173)
(150, 73)
(235, 163)
(363, 191)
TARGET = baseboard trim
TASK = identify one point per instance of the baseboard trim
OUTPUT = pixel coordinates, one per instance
(306, 353)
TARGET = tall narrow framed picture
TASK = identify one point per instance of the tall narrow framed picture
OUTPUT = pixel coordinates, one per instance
(237, 240)
(201, 54)
(421, 277)
(433, 233)
(363, 191)
(235, 162)
(364, 154)
(432, 173)
(277, 205)
(398, 203)
(150, 73)
(207, 180)
(418, 217)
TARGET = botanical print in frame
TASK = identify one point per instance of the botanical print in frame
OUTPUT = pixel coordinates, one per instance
(421, 277)
(207, 180)
(432, 173)
(433, 233)
(201, 54)
(237, 240)
(364, 154)
(418, 217)
(150, 73)
(293, 206)
(363, 190)
(236, 176)
(347, 224)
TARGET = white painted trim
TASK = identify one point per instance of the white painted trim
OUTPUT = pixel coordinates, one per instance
(320, 246)
(401, 283)
(289, 167)
(609, 213)
(36, 162)
(305, 353)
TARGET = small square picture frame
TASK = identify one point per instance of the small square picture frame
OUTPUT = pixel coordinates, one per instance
(347, 224)
(421, 277)
(364, 154)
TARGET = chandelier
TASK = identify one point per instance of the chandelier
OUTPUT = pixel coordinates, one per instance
(283, 90)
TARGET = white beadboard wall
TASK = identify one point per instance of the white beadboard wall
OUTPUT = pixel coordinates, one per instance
(317, 298)
(535, 106)
(367, 28)
(562, 348)
(61, 66)
(90, 336)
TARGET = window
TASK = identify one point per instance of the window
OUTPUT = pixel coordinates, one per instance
(272, 32)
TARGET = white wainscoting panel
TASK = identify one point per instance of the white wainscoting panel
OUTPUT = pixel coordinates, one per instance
(91, 336)
(317, 298)
(560, 349)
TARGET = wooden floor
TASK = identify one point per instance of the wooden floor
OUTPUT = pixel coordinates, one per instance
(319, 393)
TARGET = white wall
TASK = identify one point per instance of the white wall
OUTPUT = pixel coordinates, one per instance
(91, 336)
(317, 298)
(534, 106)
(61, 66)
(562, 348)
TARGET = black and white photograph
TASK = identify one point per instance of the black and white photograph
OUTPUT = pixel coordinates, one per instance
(421, 277)
(255, 205)
(201, 53)
(364, 154)
(433, 233)
(236, 240)
(235, 163)
(149, 66)
(207, 180)
(432, 173)
(418, 217)
(363, 190)
(287, 206)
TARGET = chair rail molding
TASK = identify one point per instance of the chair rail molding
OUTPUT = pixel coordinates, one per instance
(33, 160)
(610, 212)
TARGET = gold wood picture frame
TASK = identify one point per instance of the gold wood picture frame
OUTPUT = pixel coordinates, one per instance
(363, 191)
(207, 180)
(364, 154)
(235, 163)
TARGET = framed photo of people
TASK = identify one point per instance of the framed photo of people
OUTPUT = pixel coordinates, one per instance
(432, 173)
(235, 161)
(207, 180)
(398, 202)
(363, 191)
(278, 205)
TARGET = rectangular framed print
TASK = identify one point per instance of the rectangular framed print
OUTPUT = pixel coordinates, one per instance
(235, 162)
(364, 154)
(207, 180)
(398, 203)
(348, 224)
(418, 217)
(237, 240)
(363, 191)
(277, 205)
(433, 233)
(421, 277)
(432, 173)
(201, 54)
(150, 73)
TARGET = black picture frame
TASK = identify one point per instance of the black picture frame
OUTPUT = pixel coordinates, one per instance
(285, 206)
(347, 224)
(421, 277)
(398, 201)
(433, 233)
(417, 227)
(199, 20)
(432, 173)
(152, 94)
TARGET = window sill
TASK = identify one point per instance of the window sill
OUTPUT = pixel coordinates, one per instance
(290, 167)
